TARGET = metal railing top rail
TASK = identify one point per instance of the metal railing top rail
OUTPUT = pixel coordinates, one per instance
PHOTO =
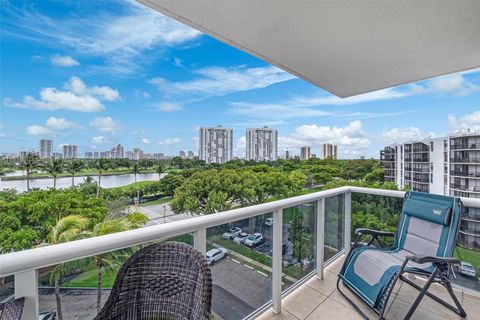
(31, 259)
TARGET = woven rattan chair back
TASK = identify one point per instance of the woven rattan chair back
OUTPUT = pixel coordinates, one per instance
(12, 310)
(166, 280)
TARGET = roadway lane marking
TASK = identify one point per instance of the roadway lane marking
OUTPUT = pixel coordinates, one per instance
(263, 274)
(248, 267)
(235, 261)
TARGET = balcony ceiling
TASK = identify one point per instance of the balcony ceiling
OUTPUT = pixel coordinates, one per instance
(345, 47)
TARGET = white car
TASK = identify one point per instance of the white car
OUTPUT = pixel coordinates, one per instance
(232, 233)
(215, 255)
(253, 240)
(240, 238)
(269, 222)
(467, 269)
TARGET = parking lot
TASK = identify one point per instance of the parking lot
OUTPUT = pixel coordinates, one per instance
(237, 289)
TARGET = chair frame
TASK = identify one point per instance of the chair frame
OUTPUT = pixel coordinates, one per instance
(443, 269)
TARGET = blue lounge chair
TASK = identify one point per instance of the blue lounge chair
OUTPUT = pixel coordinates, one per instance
(423, 245)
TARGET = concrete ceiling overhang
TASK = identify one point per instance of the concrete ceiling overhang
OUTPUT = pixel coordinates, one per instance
(345, 47)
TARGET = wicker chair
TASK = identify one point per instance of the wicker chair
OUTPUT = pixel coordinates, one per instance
(166, 280)
(12, 310)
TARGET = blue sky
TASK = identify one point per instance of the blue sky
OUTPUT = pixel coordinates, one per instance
(98, 73)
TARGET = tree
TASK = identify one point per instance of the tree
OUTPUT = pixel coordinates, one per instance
(159, 170)
(170, 183)
(101, 165)
(66, 229)
(29, 163)
(27, 218)
(54, 168)
(113, 222)
(74, 166)
(136, 170)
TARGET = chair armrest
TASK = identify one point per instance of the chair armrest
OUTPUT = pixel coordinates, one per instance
(434, 260)
(361, 231)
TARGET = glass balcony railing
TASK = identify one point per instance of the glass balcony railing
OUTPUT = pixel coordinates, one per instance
(299, 237)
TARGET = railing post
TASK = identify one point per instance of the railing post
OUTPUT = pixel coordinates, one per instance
(26, 285)
(277, 262)
(348, 221)
(200, 240)
(320, 236)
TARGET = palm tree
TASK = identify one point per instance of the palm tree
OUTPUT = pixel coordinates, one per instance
(136, 170)
(73, 167)
(159, 170)
(101, 165)
(29, 163)
(113, 222)
(54, 167)
(66, 229)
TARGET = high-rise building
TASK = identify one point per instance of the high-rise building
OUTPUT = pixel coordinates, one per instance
(57, 155)
(117, 152)
(46, 148)
(448, 165)
(262, 144)
(88, 155)
(129, 155)
(182, 154)
(215, 144)
(190, 154)
(138, 154)
(329, 151)
(287, 155)
(305, 153)
(69, 151)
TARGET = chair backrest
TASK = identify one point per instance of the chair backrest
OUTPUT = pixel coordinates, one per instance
(429, 224)
(166, 280)
(12, 309)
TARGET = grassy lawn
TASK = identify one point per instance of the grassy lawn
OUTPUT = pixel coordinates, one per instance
(468, 255)
(158, 201)
(244, 251)
(88, 279)
(134, 186)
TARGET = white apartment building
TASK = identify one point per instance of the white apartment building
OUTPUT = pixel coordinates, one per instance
(46, 148)
(448, 165)
(330, 151)
(262, 144)
(69, 151)
(305, 153)
(215, 144)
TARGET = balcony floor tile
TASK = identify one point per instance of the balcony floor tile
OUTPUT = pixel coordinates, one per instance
(303, 301)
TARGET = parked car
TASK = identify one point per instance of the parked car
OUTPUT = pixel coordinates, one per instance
(47, 315)
(240, 238)
(467, 269)
(269, 222)
(215, 255)
(254, 240)
(232, 233)
(289, 261)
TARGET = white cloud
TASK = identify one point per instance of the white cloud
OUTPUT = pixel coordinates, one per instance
(99, 140)
(168, 107)
(455, 84)
(120, 37)
(169, 141)
(105, 124)
(145, 141)
(35, 130)
(350, 136)
(219, 81)
(468, 121)
(60, 123)
(397, 135)
(78, 97)
(64, 61)
(78, 87)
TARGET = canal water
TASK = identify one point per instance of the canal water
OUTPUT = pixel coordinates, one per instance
(107, 181)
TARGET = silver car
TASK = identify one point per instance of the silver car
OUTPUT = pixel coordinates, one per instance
(467, 269)
(231, 233)
(240, 238)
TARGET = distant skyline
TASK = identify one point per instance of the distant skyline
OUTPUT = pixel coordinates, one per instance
(96, 74)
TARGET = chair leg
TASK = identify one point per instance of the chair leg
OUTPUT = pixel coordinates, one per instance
(421, 294)
(459, 310)
(353, 304)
